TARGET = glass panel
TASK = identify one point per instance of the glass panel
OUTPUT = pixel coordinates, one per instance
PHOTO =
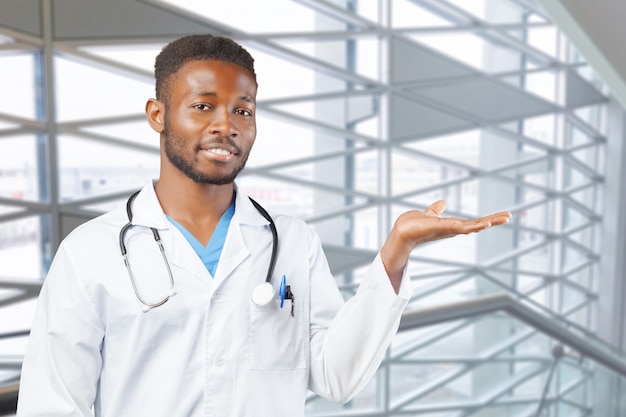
(542, 84)
(367, 173)
(544, 39)
(276, 139)
(20, 166)
(272, 84)
(19, 89)
(462, 147)
(494, 11)
(230, 13)
(364, 233)
(542, 128)
(89, 168)
(366, 62)
(138, 132)
(139, 56)
(594, 115)
(347, 109)
(577, 136)
(16, 317)
(464, 47)
(415, 172)
(112, 95)
(431, 369)
(7, 126)
(588, 198)
(587, 72)
(282, 196)
(21, 248)
(103, 207)
(408, 14)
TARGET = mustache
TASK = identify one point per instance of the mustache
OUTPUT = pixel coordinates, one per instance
(222, 140)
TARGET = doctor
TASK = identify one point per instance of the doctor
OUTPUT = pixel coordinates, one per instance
(189, 332)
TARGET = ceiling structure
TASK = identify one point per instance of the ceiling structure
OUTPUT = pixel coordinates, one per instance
(597, 28)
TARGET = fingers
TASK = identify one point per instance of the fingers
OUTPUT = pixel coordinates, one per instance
(464, 226)
(495, 219)
(476, 225)
(436, 208)
(450, 226)
(502, 217)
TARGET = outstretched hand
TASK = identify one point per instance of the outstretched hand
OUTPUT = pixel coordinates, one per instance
(416, 227)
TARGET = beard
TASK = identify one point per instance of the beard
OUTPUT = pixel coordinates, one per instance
(175, 151)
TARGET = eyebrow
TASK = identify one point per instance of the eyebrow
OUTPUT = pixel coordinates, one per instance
(204, 94)
(245, 98)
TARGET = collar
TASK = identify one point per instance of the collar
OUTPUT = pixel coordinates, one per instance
(147, 210)
(245, 212)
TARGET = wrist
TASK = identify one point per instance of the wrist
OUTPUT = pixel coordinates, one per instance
(394, 255)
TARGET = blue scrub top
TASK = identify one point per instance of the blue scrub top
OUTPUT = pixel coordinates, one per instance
(209, 254)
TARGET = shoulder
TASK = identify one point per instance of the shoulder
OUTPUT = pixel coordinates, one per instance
(96, 230)
(295, 232)
(252, 211)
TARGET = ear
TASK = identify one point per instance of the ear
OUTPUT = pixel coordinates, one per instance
(155, 112)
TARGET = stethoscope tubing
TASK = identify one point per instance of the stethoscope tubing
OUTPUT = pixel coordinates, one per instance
(264, 213)
(148, 305)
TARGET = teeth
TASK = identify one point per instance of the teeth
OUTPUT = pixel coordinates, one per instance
(219, 151)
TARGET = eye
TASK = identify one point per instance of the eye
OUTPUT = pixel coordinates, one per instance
(202, 107)
(243, 112)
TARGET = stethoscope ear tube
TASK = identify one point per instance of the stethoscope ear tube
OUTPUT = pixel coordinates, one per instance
(270, 269)
(264, 292)
(129, 212)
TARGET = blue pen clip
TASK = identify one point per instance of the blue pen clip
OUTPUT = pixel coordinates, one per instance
(283, 290)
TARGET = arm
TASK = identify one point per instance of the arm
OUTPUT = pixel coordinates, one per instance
(346, 354)
(62, 362)
(416, 227)
(347, 343)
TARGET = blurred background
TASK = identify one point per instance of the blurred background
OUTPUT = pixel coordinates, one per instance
(366, 109)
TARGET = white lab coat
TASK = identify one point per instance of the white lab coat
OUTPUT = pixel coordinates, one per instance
(208, 351)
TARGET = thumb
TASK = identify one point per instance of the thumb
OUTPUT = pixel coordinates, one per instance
(436, 208)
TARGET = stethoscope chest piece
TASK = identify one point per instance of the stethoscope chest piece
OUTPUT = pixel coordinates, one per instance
(263, 294)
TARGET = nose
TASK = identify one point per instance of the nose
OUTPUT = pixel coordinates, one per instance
(223, 123)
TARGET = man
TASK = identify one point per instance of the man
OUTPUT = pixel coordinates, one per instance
(188, 333)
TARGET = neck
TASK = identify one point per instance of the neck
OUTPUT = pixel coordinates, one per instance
(191, 202)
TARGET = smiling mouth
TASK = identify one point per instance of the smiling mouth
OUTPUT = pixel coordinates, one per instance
(219, 154)
(224, 148)
(218, 151)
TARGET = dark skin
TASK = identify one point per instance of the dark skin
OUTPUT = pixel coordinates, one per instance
(209, 128)
(212, 110)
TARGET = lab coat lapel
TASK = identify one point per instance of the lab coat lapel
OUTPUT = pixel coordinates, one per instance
(147, 212)
(233, 254)
(235, 248)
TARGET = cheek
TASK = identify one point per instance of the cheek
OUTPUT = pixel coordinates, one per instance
(249, 132)
(182, 121)
(252, 138)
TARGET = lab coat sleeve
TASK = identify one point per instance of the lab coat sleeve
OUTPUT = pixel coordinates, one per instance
(346, 353)
(62, 362)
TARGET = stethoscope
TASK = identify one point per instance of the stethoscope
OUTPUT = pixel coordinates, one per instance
(262, 293)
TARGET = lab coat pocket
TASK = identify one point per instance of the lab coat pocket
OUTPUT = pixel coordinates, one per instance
(277, 336)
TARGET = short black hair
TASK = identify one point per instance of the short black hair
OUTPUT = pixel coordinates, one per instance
(204, 47)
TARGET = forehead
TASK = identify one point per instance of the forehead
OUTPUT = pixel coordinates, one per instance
(213, 76)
